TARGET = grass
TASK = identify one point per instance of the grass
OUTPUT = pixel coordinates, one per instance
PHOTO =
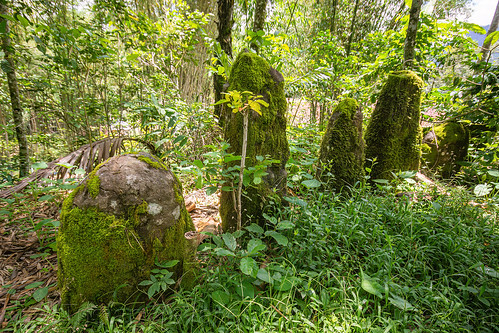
(363, 263)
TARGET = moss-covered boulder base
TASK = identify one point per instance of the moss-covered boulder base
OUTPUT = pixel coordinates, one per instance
(127, 214)
(393, 135)
(266, 136)
(443, 146)
(342, 149)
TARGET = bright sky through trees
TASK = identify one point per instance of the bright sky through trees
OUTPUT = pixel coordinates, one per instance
(483, 10)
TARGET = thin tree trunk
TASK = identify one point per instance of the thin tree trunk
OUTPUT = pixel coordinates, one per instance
(493, 27)
(241, 170)
(352, 27)
(259, 20)
(17, 111)
(224, 26)
(410, 37)
(332, 22)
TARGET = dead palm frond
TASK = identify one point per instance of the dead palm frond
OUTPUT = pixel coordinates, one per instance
(85, 158)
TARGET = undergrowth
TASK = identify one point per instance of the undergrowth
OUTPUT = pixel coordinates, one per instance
(360, 263)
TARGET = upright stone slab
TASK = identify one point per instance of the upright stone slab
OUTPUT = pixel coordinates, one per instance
(341, 155)
(266, 136)
(129, 213)
(445, 145)
(393, 135)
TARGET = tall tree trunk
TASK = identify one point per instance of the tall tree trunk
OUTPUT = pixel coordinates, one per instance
(352, 27)
(410, 37)
(332, 19)
(493, 27)
(259, 20)
(17, 112)
(224, 26)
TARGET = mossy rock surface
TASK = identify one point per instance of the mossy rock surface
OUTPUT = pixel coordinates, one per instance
(266, 136)
(128, 213)
(341, 155)
(445, 145)
(393, 135)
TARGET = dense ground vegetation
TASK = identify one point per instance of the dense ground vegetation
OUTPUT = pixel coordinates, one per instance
(396, 255)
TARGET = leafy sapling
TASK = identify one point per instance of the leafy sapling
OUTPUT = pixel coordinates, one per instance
(243, 102)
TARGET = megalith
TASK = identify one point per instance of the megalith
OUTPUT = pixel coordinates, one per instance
(266, 137)
(445, 145)
(393, 135)
(341, 156)
(128, 214)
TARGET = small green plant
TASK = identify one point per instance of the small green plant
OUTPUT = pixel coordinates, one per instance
(160, 279)
(242, 102)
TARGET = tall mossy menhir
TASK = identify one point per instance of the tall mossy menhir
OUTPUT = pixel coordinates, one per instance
(266, 136)
(393, 135)
(445, 145)
(128, 214)
(341, 155)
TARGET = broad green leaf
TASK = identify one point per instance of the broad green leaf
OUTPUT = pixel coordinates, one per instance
(407, 174)
(248, 266)
(246, 290)
(230, 241)
(284, 285)
(381, 181)
(39, 165)
(482, 190)
(231, 158)
(371, 286)
(221, 297)
(264, 275)
(474, 27)
(493, 173)
(145, 283)
(65, 165)
(41, 293)
(153, 289)
(168, 264)
(296, 201)
(255, 245)
(281, 239)
(23, 20)
(45, 197)
(311, 183)
(132, 56)
(487, 270)
(255, 228)
(223, 252)
(34, 285)
(492, 38)
(400, 303)
(284, 225)
(198, 164)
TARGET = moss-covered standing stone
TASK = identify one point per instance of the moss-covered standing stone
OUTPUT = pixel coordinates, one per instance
(393, 135)
(127, 214)
(341, 155)
(266, 136)
(443, 146)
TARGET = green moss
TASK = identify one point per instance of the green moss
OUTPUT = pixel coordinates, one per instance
(393, 135)
(102, 257)
(97, 253)
(93, 184)
(266, 135)
(342, 148)
(154, 162)
(444, 145)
